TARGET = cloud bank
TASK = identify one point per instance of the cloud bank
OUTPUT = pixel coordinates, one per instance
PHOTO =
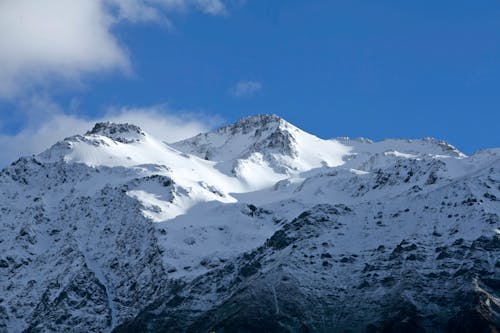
(43, 42)
(159, 121)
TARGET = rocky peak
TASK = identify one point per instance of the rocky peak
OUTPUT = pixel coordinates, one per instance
(256, 126)
(269, 131)
(256, 133)
(445, 146)
(124, 133)
(258, 122)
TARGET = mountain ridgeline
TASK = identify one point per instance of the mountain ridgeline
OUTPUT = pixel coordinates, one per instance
(254, 227)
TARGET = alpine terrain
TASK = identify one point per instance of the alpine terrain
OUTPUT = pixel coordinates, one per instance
(255, 227)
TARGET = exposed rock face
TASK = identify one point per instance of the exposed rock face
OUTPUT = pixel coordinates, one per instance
(254, 133)
(297, 283)
(124, 133)
(116, 231)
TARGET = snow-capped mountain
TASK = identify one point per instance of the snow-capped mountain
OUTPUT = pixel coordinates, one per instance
(255, 227)
(265, 147)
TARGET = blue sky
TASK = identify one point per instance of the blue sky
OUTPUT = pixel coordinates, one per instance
(375, 69)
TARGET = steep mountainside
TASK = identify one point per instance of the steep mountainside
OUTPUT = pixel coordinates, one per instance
(255, 227)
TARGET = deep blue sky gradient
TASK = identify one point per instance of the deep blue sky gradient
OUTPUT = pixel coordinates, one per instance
(334, 68)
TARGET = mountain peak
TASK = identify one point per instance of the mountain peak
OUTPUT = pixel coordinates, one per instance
(263, 133)
(124, 133)
(259, 122)
(263, 142)
(445, 146)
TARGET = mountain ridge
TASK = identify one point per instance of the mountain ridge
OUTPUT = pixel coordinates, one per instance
(285, 232)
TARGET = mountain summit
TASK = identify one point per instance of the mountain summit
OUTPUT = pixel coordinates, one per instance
(124, 133)
(264, 145)
(257, 226)
(245, 137)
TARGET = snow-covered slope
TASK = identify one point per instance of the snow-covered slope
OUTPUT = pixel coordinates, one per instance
(256, 226)
(264, 147)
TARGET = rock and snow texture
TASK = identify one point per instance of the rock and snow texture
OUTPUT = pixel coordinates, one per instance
(254, 227)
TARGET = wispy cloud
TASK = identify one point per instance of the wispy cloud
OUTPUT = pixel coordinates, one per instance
(43, 130)
(157, 10)
(246, 88)
(43, 42)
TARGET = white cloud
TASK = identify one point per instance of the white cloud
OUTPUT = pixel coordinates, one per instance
(49, 42)
(61, 40)
(40, 39)
(246, 88)
(163, 123)
(39, 134)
